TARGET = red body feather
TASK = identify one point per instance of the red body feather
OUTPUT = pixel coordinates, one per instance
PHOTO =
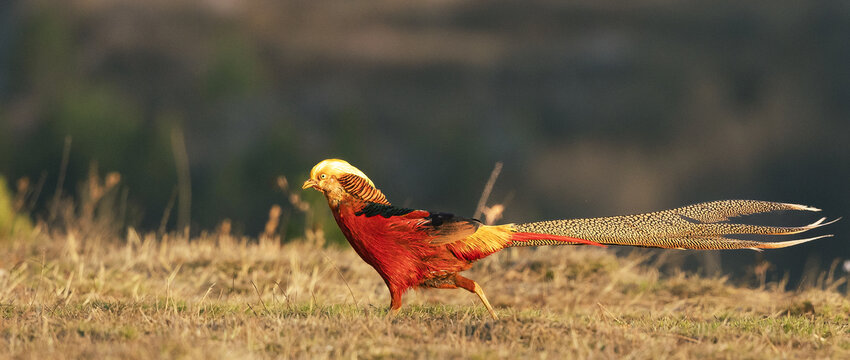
(409, 248)
(397, 247)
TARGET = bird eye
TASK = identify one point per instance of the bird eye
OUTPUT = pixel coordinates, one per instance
(323, 176)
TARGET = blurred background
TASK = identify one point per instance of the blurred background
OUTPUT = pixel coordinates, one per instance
(595, 108)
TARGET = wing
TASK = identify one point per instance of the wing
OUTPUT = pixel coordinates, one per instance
(466, 239)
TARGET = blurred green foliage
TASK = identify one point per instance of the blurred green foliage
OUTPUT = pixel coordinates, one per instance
(11, 222)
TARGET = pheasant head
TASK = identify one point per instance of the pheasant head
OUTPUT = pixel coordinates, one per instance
(338, 179)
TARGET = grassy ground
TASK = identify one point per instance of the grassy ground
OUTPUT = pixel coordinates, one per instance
(216, 296)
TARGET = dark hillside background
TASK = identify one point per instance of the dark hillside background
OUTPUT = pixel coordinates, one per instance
(595, 108)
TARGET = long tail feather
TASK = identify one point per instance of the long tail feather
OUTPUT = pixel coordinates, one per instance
(521, 239)
(783, 244)
(701, 226)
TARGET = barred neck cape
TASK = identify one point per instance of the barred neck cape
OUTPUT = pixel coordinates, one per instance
(361, 188)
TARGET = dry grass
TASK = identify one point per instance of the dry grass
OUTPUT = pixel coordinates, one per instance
(82, 293)
(216, 296)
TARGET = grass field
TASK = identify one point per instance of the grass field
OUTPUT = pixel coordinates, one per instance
(73, 295)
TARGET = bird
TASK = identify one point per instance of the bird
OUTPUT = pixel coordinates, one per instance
(411, 248)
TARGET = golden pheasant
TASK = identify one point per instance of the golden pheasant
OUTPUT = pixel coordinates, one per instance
(416, 248)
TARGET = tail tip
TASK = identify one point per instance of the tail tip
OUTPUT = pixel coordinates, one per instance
(800, 207)
(784, 244)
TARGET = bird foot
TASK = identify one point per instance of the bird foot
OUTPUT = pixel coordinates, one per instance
(393, 313)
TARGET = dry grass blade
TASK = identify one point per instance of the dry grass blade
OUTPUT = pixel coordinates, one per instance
(610, 314)
(488, 188)
(354, 298)
(66, 153)
(181, 161)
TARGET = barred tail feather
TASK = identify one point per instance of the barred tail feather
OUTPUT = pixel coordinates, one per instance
(789, 243)
(521, 239)
(701, 226)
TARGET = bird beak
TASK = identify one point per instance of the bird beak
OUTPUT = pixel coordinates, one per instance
(310, 183)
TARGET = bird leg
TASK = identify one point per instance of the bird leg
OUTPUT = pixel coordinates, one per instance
(395, 301)
(454, 281)
(473, 287)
